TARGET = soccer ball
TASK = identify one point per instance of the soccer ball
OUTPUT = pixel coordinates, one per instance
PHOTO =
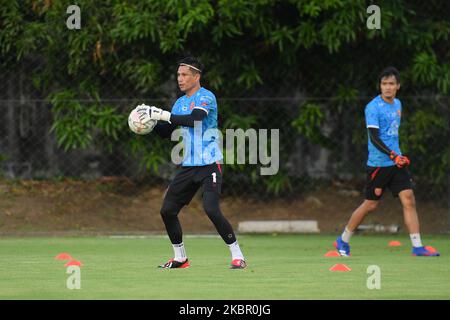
(136, 126)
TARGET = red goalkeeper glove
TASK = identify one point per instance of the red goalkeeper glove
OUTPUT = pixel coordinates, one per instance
(405, 160)
(400, 161)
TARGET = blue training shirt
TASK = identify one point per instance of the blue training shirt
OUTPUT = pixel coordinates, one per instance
(386, 117)
(201, 143)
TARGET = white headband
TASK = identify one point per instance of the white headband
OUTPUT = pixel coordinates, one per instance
(188, 65)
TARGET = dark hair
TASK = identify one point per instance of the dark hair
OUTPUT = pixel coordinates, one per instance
(387, 72)
(194, 62)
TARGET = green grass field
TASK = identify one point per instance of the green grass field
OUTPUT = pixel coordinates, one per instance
(280, 267)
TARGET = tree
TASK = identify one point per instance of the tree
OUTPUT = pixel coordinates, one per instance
(127, 49)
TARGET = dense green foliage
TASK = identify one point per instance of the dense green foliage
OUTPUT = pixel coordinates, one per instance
(270, 48)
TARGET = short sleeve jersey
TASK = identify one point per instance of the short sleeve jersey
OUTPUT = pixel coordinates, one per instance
(201, 143)
(385, 117)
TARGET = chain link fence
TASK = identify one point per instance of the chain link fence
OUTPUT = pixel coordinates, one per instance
(50, 132)
(320, 140)
(322, 144)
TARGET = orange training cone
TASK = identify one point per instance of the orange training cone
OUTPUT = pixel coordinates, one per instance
(394, 244)
(340, 267)
(332, 253)
(73, 263)
(63, 256)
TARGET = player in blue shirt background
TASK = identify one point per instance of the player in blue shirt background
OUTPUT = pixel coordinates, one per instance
(386, 166)
(196, 112)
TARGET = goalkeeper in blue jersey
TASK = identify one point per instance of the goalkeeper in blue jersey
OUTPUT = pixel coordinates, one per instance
(196, 112)
(386, 166)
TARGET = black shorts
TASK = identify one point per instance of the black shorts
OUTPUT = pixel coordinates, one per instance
(189, 179)
(394, 178)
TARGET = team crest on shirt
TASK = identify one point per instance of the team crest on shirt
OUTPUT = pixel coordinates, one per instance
(192, 105)
(399, 112)
(205, 100)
